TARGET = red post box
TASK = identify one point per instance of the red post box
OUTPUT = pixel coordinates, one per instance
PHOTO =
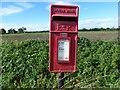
(63, 38)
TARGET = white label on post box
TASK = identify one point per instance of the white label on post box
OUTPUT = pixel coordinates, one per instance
(63, 50)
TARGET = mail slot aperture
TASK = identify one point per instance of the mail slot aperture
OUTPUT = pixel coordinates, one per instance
(60, 18)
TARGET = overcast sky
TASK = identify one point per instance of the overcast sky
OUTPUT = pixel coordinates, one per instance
(35, 15)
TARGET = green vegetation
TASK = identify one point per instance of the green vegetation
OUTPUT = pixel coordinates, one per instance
(100, 29)
(13, 31)
(23, 34)
(2, 31)
(97, 35)
(25, 65)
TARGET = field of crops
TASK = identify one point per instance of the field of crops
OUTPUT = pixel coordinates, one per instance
(101, 35)
(25, 65)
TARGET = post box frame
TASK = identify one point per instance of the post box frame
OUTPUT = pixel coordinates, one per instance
(55, 36)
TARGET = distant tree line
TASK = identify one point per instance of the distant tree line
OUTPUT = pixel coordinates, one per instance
(100, 29)
(22, 30)
(12, 31)
(37, 31)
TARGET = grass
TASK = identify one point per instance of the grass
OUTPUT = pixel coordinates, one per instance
(98, 35)
(22, 34)
(99, 31)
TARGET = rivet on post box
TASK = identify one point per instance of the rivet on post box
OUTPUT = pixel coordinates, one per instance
(63, 38)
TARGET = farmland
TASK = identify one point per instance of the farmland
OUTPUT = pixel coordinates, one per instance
(101, 35)
(25, 61)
